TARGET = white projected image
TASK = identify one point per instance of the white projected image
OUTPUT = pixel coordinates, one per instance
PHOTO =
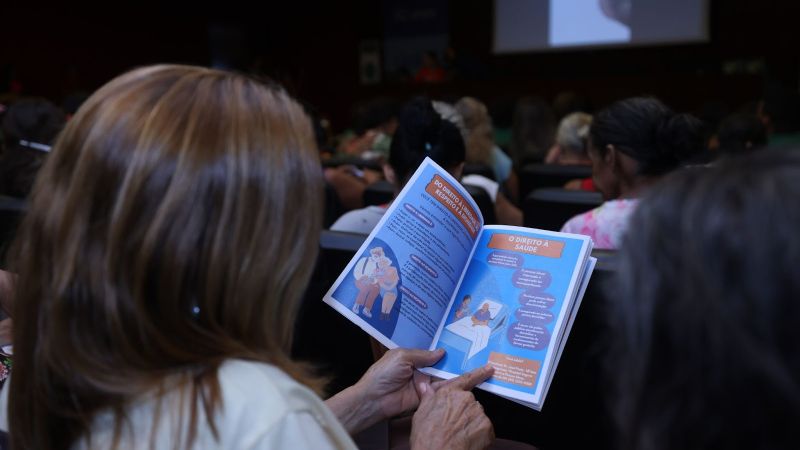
(531, 25)
(581, 22)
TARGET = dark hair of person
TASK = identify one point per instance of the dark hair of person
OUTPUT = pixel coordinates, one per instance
(737, 130)
(376, 113)
(534, 129)
(467, 297)
(782, 105)
(422, 133)
(33, 120)
(649, 132)
(706, 352)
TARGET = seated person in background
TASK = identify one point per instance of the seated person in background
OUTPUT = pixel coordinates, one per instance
(533, 130)
(145, 318)
(431, 71)
(740, 133)
(29, 129)
(780, 112)
(481, 148)
(632, 144)
(482, 316)
(705, 352)
(375, 127)
(421, 133)
(571, 147)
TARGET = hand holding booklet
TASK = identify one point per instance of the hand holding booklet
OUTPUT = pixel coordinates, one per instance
(432, 275)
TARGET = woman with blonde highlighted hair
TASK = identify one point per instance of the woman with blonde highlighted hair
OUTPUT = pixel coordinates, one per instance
(169, 238)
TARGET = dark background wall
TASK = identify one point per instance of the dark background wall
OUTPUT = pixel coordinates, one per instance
(312, 48)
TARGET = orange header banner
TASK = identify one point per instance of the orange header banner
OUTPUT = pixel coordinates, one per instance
(525, 244)
(448, 196)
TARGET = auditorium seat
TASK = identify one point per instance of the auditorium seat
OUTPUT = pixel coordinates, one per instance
(479, 169)
(576, 397)
(550, 208)
(333, 206)
(536, 176)
(378, 193)
(352, 160)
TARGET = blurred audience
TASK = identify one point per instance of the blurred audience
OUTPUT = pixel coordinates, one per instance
(633, 144)
(29, 129)
(705, 352)
(533, 131)
(780, 112)
(431, 71)
(424, 131)
(740, 133)
(481, 148)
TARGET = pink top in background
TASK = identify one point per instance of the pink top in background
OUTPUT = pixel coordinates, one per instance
(604, 224)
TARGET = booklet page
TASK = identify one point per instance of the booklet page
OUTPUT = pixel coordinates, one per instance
(399, 284)
(511, 307)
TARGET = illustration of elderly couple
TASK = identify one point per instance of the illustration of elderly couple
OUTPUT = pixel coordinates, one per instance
(375, 275)
(481, 316)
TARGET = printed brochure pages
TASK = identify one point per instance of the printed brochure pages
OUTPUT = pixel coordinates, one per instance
(431, 275)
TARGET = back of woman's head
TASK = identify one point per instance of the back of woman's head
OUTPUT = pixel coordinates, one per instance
(423, 133)
(150, 247)
(29, 128)
(478, 124)
(573, 134)
(705, 313)
(649, 132)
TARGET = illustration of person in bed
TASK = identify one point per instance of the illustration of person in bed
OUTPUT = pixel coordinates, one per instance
(463, 308)
(482, 316)
(387, 280)
(366, 281)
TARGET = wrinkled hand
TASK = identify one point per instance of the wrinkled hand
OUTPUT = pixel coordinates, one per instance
(386, 390)
(391, 382)
(449, 417)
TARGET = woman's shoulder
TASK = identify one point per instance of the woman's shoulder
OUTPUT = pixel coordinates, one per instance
(246, 382)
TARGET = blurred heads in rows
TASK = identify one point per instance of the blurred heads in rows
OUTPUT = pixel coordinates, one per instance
(480, 133)
(636, 141)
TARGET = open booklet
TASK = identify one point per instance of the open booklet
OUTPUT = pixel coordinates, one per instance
(432, 275)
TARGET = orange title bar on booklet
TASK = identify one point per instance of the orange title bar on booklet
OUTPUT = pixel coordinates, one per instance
(449, 197)
(525, 244)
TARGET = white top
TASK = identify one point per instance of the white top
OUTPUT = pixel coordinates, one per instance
(262, 408)
(360, 220)
(491, 187)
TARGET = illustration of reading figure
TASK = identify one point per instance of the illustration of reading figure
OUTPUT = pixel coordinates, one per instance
(482, 316)
(387, 280)
(367, 284)
(463, 308)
